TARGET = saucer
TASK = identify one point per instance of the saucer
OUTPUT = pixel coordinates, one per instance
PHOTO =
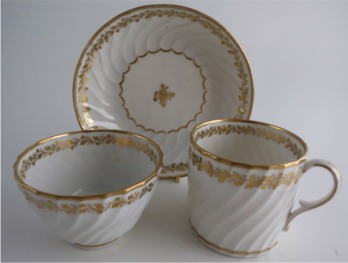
(159, 70)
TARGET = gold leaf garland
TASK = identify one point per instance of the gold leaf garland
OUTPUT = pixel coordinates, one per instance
(174, 167)
(83, 207)
(147, 14)
(243, 180)
(61, 145)
(249, 130)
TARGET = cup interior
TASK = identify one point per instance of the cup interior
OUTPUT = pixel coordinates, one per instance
(88, 163)
(248, 142)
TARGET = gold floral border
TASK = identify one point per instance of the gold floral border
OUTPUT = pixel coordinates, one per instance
(250, 130)
(85, 207)
(61, 145)
(155, 52)
(174, 167)
(247, 181)
(104, 37)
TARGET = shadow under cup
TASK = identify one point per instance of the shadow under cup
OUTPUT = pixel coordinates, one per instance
(243, 178)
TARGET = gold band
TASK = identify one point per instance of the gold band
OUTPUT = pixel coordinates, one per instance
(300, 159)
(155, 52)
(94, 246)
(226, 250)
(246, 97)
(92, 197)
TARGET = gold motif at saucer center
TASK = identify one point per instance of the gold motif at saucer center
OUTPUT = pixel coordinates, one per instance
(169, 78)
(145, 13)
(163, 95)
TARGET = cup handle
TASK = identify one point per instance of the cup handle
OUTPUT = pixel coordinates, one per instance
(305, 205)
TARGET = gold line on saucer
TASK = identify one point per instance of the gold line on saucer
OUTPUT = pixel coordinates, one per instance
(155, 52)
(95, 44)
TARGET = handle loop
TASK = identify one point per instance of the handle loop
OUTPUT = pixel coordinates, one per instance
(305, 205)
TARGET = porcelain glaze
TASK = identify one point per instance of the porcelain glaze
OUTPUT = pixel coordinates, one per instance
(243, 179)
(159, 70)
(89, 187)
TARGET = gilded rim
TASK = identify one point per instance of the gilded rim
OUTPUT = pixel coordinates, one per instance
(89, 197)
(245, 165)
(128, 12)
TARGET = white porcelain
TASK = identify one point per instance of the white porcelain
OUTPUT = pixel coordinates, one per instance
(243, 178)
(90, 187)
(159, 70)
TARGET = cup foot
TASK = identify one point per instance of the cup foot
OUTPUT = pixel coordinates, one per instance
(97, 246)
(230, 252)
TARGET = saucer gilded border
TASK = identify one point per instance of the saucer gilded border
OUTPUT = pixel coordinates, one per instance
(179, 55)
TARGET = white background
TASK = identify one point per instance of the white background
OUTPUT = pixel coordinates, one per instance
(298, 52)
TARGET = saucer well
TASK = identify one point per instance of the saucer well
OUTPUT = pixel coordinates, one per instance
(159, 70)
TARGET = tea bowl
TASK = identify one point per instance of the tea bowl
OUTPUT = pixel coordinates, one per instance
(90, 187)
